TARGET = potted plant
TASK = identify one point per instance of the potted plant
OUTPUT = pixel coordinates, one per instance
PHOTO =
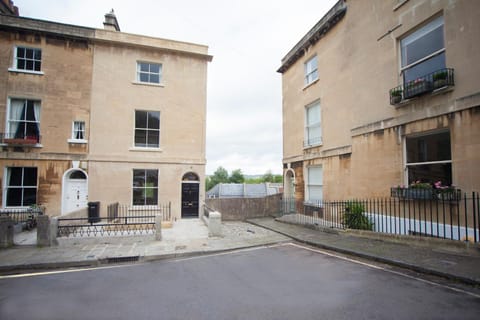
(396, 95)
(440, 79)
(447, 193)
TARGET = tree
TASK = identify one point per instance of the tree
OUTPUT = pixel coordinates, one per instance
(268, 177)
(237, 176)
(219, 176)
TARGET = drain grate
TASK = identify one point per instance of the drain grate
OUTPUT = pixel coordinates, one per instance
(122, 259)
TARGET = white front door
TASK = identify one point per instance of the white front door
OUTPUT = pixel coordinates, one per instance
(75, 190)
(76, 195)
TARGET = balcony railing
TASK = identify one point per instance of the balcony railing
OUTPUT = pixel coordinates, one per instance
(20, 140)
(428, 83)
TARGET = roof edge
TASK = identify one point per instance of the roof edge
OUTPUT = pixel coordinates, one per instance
(327, 22)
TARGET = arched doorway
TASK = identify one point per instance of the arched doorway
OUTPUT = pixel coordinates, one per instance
(289, 191)
(190, 195)
(74, 191)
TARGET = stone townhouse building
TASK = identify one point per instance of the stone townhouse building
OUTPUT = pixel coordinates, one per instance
(100, 115)
(380, 94)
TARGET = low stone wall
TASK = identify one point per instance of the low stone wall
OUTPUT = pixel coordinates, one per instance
(239, 209)
(80, 213)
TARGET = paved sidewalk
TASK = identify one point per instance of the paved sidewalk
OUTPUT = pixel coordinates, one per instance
(455, 261)
(186, 237)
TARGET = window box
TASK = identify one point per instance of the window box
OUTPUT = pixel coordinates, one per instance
(408, 193)
(30, 140)
(417, 87)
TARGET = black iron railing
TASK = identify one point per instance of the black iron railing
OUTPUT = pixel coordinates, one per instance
(121, 220)
(427, 83)
(25, 216)
(19, 139)
(455, 219)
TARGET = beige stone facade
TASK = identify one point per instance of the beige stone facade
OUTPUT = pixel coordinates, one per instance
(85, 111)
(368, 143)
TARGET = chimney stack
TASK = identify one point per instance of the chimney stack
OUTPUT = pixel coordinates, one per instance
(111, 22)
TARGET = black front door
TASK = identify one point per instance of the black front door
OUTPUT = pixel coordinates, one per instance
(190, 200)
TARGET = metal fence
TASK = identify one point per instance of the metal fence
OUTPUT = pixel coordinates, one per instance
(25, 216)
(455, 219)
(121, 220)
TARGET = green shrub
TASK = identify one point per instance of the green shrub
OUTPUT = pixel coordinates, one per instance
(354, 217)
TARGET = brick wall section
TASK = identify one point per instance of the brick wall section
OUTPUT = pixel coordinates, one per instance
(246, 208)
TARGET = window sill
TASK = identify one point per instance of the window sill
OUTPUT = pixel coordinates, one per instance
(310, 84)
(40, 73)
(308, 146)
(38, 145)
(161, 85)
(77, 141)
(140, 149)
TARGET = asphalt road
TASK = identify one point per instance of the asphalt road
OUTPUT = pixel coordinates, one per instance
(280, 282)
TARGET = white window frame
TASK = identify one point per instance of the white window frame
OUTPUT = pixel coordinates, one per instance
(145, 187)
(76, 129)
(6, 187)
(159, 74)
(15, 68)
(152, 148)
(9, 114)
(412, 164)
(309, 127)
(316, 183)
(311, 71)
(429, 27)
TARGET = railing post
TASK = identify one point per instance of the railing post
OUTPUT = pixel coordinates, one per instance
(46, 231)
(158, 227)
(6, 232)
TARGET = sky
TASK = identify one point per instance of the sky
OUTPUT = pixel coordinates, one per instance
(247, 39)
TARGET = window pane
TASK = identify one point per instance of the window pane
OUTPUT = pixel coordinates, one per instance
(29, 65)
(140, 138)
(15, 176)
(138, 197)
(154, 78)
(78, 175)
(313, 114)
(154, 120)
(29, 196)
(29, 53)
(21, 52)
(153, 139)
(423, 46)
(30, 177)
(20, 64)
(315, 176)
(431, 173)
(143, 77)
(38, 54)
(152, 178)
(435, 147)
(314, 134)
(144, 67)
(37, 65)
(155, 68)
(141, 119)
(14, 197)
(151, 196)
(138, 178)
(315, 193)
(431, 65)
